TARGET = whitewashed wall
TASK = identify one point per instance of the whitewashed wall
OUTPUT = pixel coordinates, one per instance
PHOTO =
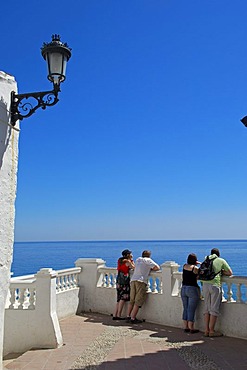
(38, 326)
(8, 180)
(161, 308)
(34, 305)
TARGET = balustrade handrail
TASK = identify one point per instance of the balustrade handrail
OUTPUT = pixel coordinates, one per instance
(234, 279)
(16, 283)
(105, 269)
(74, 270)
(22, 278)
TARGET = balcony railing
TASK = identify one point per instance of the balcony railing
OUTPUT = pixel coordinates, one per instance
(22, 290)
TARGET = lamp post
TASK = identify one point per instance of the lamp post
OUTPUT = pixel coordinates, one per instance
(56, 55)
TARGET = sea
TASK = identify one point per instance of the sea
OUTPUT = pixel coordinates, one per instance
(30, 257)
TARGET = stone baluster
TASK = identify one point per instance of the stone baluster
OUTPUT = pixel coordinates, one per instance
(62, 283)
(160, 289)
(149, 286)
(239, 294)
(21, 295)
(154, 286)
(114, 280)
(71, 281)
(12, 298)
(76, 279)
(31, 299)
(229, 293)
(109, 280)
(104, 283)
(66, 282)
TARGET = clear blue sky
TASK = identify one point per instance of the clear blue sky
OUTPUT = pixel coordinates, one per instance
(146, 141)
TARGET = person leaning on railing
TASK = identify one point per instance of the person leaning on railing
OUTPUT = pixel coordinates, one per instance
(212, 293)
(190, 293)
(125, 264)
(138, 285)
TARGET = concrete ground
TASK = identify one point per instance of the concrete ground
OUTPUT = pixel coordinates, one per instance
(95, 341)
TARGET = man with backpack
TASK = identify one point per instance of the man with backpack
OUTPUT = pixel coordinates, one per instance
(210, 274)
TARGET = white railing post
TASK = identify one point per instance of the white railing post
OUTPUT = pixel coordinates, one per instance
(170, 284)
(88, 280)
(49, 329)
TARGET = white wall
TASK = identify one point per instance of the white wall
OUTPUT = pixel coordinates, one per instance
(8, 180)
(38, 327)
(164, 309)
(67, 303)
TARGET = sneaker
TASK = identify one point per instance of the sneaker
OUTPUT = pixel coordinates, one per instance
(193, 331)
(128, 318)
(135, 321)
(186, 330)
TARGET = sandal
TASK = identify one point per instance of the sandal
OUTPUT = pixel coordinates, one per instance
(216, 334)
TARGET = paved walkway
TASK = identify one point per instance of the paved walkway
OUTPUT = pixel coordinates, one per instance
(94, 341)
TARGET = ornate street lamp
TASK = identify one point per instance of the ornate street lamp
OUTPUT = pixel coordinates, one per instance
(244, 121)
(56, 55)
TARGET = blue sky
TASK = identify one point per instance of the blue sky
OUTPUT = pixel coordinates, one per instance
(146, 141)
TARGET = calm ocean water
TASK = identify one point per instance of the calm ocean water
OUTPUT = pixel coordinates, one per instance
(29, 257)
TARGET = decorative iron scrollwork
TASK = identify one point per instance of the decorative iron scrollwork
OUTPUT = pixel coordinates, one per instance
(24, 105)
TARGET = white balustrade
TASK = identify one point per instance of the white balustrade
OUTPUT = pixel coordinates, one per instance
(236, 289)
(22, 295)
(107, 277)
(22, 290)
(67, 279)
(155, 282)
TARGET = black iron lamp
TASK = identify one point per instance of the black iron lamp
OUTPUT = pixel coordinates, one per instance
(244, 121)
(56, 55)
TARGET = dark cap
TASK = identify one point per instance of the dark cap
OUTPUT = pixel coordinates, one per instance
(126, 252)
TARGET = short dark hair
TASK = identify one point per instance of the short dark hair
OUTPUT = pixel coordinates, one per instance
(215, 251)
(146, 254)
(191, 260)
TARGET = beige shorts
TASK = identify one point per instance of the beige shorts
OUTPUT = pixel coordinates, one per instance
(138, 293)
(212, 299)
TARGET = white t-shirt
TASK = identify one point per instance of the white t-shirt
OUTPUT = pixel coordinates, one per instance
(143, 266)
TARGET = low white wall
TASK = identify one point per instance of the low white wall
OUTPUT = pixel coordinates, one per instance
(38, 327)
(165, 308)
(67, 303)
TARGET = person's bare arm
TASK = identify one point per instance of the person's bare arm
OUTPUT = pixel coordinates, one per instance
(131, 264)
(155, 268)
(227, 272)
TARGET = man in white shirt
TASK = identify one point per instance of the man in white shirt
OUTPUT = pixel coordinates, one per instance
(138, 285)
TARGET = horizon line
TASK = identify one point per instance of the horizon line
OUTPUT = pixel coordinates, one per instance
(127, 240)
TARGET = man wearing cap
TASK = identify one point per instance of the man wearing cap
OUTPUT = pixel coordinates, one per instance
(138, 285)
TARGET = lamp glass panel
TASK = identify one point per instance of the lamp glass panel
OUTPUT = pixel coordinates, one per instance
(64, 65)
(56, 66)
